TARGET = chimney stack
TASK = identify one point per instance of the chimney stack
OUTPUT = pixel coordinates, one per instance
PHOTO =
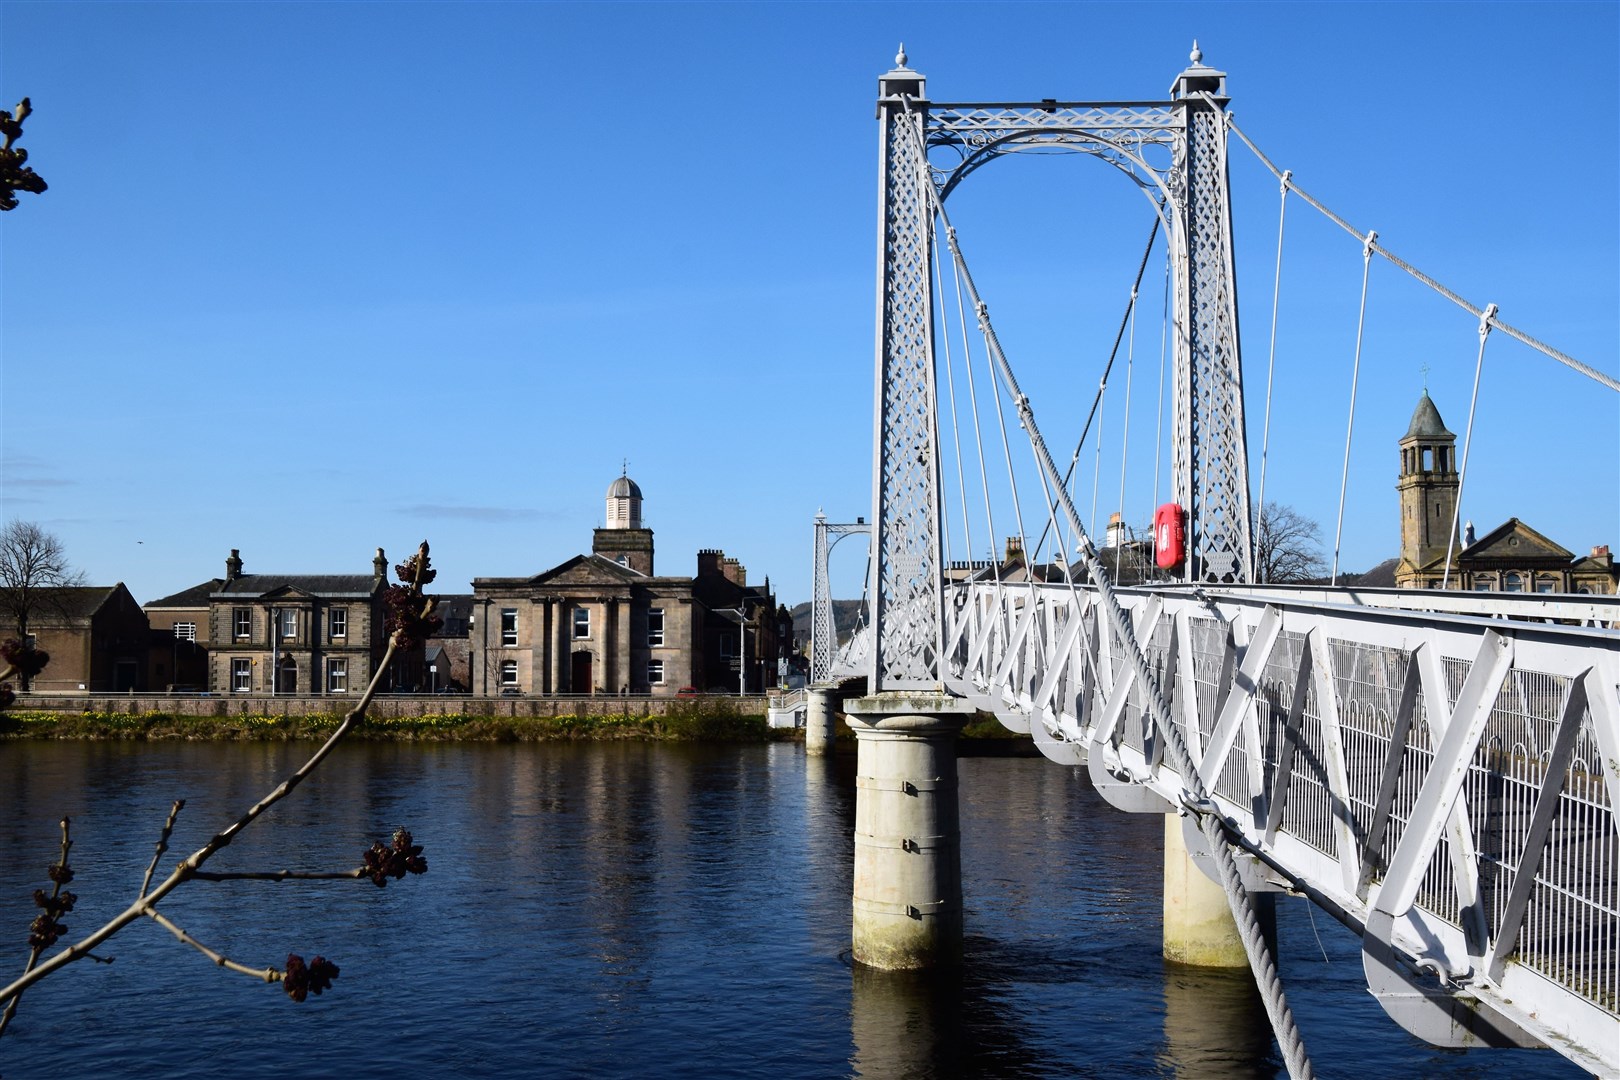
(233, 565)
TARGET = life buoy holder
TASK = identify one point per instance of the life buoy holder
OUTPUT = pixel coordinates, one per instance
(1169, 536)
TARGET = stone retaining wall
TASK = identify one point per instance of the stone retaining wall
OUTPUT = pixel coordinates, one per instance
(386, 705)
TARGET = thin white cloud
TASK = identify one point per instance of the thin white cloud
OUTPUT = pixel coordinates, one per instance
(478, 513)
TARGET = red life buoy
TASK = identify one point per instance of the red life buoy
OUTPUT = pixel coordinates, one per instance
(1169, 536)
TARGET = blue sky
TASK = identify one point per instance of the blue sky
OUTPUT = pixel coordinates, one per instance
(314, 278)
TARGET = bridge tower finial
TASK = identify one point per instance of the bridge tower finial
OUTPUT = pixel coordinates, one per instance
(1197, 55)
(900, 56)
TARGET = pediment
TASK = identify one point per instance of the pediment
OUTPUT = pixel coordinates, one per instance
(286, 592)
(1515, 542)
(585, 570)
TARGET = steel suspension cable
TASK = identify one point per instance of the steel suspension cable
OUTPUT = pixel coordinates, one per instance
(1195, 797)
(1271, 367)
(1355, 378)
(1478, 312)
(1113, 353)
(1164, 338)
(1125, 435)
(978, 429)
(1468, 440)
(956, 430)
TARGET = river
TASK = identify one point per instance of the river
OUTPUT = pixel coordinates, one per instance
(633, 910)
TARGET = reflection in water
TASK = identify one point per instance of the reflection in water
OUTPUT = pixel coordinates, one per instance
(1215, 1026)
(614, 910)
(903, 1023)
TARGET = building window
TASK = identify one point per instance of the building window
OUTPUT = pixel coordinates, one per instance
(242, 619)
(289, 623)
(509, 626)
(241, 675)
(655, 626)
(1482, 584)
(185, 631)
(1545, 585)
(1512, 583)
(509, 673)
(655, 672)
(582, 622)
(337, 676)
(728, 646)
(337, 623)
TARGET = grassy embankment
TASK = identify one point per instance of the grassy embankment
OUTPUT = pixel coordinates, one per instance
(708, 724)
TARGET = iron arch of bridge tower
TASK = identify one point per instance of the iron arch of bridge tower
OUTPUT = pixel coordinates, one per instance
(823, 632)
(1176, 152)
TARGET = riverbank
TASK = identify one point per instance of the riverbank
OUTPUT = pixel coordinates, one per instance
(711, 721)
(707, 724)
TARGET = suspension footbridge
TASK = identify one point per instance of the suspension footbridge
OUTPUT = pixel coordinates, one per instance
(1438, 770)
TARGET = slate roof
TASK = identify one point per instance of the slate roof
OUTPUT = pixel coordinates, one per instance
(194, 597)
(71, 602)
(317, 584)
(1426, 422)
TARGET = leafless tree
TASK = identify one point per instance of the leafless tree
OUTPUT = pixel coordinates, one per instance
(1287, 546)
(33, 565)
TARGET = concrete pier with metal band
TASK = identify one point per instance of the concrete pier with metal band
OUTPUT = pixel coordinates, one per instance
(908, 868)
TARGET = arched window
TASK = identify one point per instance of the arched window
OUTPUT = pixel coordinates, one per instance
(1512, 583)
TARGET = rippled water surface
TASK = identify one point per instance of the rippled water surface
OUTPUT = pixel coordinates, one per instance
(615, 910)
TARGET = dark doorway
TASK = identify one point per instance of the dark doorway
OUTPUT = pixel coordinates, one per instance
(580, 682)
(287, 676)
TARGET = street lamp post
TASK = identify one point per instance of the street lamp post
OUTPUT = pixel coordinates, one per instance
(742, 646)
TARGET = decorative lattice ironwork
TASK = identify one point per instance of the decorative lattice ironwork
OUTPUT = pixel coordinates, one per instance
(823, 629)
(1175, 151)
(905, 581)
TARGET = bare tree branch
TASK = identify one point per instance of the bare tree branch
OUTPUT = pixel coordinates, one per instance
(33, 565)
(264, 974)
(162, 844)
(1287, 546)
(410, 620)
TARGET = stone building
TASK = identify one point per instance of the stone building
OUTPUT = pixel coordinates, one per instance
(1513, 557)
(608, 623)
(293, 634)
(96, 636)
(177, 658)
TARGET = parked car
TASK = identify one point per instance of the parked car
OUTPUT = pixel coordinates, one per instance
(687, 691)
(511, 691)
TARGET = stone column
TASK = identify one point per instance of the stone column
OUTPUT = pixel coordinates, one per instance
(1198, 926)
(559, 617)
(628, 676)
(908, 869)
(820, 719)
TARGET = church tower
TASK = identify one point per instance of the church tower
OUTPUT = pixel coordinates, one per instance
(624, 540)
(1428, 488)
